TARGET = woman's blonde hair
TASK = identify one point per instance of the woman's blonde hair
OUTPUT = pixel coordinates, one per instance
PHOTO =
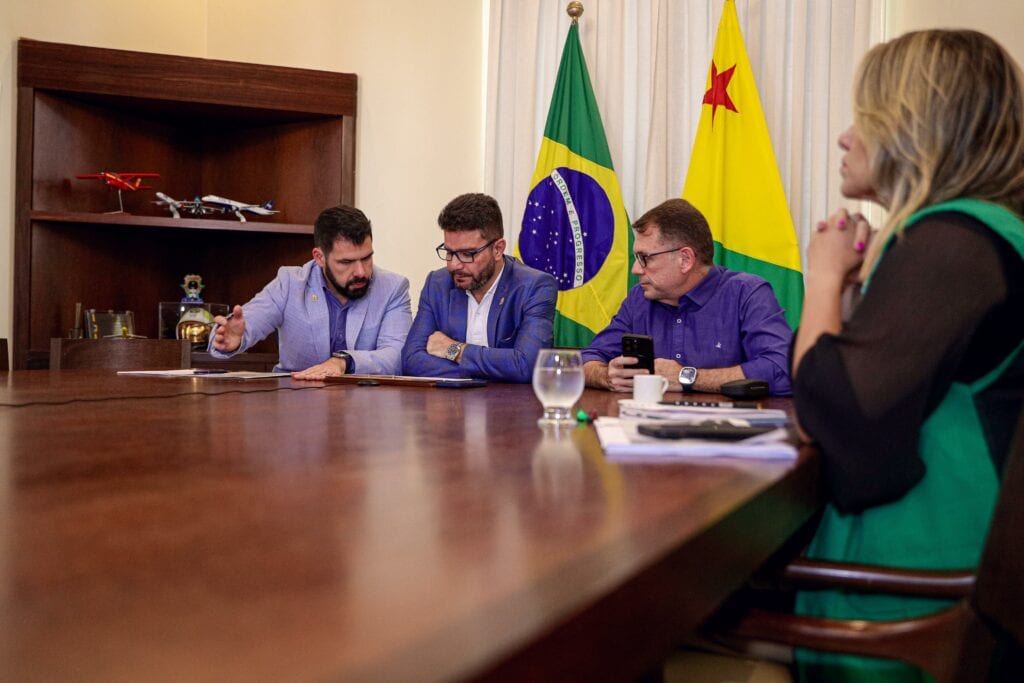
(941, 114)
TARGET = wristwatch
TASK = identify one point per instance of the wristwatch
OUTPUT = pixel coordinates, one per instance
(350, 365)
(453, 351)
(688, 377)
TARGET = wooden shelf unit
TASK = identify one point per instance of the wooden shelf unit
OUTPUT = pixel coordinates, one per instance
(246, 131)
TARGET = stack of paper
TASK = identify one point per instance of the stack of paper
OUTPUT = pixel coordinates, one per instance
(755, 417)
(622, 443)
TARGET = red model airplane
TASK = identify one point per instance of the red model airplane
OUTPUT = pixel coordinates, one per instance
(122, 181)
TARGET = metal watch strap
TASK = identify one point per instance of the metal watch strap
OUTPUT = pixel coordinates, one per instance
(454, 349)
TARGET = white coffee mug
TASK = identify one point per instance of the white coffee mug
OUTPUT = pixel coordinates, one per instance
(649, 388)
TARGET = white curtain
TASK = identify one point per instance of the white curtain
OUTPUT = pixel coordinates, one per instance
(648, 61)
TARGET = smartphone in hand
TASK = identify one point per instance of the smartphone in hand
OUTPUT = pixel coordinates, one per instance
(641, 347)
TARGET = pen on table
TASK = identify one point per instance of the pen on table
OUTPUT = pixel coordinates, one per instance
(749, 405)
(210, 371)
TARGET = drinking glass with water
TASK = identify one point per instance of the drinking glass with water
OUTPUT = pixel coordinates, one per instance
(558, 383)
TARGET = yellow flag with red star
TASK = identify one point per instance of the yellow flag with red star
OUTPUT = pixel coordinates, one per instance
(733, 177)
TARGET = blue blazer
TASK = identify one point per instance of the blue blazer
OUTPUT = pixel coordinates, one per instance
(293, 304)
(519, 324)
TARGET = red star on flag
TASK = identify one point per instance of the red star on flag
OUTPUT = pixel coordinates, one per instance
(717, 95)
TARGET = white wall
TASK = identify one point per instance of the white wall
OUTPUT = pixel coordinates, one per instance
(1001, 19)
(420, 122)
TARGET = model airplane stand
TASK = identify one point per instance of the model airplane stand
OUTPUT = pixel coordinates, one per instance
(121, 181)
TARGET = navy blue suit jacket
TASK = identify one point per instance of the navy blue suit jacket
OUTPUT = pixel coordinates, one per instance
(519, 324)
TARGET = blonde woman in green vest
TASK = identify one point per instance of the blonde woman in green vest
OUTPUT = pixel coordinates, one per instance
(913, 398)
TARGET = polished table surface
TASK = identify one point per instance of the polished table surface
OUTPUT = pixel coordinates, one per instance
(198, 529)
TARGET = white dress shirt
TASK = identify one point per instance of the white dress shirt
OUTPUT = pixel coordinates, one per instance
(476, 314)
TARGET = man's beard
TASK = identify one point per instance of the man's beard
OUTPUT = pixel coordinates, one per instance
(476, 281)
(347, 290)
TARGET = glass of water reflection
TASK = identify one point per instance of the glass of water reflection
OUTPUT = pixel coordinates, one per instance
(558, 383)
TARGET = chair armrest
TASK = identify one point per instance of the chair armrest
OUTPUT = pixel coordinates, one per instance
(923, 641)
(936, 584)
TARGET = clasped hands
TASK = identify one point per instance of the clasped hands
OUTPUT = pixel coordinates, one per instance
(836, 248)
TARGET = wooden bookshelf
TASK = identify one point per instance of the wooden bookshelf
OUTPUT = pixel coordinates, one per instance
(246, 131)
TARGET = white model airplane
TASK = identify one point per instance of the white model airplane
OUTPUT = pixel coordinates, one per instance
(176, 206)
(235, 207)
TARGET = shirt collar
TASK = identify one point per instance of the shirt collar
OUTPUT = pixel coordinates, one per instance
(332, 300)
(705, 289)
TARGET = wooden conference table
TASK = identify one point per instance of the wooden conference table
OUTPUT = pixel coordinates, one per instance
(197, 529)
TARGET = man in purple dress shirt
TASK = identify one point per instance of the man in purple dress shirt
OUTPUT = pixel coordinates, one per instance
(710, 325)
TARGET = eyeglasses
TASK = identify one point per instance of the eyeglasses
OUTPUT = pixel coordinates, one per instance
(464, 255)
(642, 257)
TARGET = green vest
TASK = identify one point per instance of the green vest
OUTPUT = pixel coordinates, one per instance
(939, 524)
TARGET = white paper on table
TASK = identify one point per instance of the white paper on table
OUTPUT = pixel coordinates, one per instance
(192, 372)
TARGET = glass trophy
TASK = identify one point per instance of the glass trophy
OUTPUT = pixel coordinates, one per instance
(190, 318)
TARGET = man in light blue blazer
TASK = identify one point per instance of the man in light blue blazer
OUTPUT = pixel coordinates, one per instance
(486, 315)
(335, 315)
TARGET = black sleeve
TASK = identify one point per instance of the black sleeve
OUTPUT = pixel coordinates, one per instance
(864, 394)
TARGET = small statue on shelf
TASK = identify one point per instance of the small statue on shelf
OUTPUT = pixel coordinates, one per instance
(192, 285)
(194, 324)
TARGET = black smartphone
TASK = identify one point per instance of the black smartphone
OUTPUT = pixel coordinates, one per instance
(468, 384)
(641, 347)
(709, 429)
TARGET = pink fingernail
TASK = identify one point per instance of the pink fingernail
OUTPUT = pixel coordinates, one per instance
(842, 224)
(859, 246)
(821, 226)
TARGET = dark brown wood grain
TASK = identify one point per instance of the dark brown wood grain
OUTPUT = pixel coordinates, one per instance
(149, 76)
(249, 132)
(120, 354)
(354, 533)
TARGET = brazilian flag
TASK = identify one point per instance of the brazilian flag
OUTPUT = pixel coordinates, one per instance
(575, 225)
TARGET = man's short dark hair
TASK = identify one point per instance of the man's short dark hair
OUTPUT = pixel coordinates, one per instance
(679, 222)
(340, 223)
(474, 211)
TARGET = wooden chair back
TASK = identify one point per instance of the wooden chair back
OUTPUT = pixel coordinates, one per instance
(998, 597)
(978, 638)
(120, 354)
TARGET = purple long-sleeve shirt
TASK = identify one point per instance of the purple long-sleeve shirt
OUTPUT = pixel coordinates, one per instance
(730, 318)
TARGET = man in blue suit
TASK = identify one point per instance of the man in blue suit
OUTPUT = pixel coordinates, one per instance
(486, 315)
(335, 315)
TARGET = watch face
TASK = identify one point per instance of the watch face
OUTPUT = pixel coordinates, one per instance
(453, 351)
(688, 375)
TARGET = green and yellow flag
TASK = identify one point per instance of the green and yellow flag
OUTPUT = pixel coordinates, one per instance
(734, 180)
(575, 225)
